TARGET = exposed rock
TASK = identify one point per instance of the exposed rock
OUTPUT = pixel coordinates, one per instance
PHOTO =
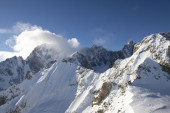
(100, 111)
(28, 75)
(11, 72)
(3, 99)
(42, 56)
(80, 59)
(169, 50)
(98, 57)
(166, 35)
(104, 91)
(128, 49)
(165, 68)
(136, 47)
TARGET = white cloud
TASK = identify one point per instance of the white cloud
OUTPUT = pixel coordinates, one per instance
(32, 36)
(19, 27)
(73, 42)
(4, 55)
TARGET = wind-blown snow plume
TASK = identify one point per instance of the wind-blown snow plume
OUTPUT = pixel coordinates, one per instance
(33, 36)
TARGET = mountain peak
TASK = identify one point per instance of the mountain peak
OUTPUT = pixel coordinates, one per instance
(97, 46)
(42, 56)
(91, 80)
(128, 49)
(131, 43)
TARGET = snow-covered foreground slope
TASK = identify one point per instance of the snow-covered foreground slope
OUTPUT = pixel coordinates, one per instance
(137, 84)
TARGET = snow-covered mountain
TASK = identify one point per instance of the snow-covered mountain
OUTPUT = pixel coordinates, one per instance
(15, 70)
(136, 84)
(98, 58)
(11, 72)
(42, 56)
(138, 80)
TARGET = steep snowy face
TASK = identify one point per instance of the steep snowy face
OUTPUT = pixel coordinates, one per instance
(11, 72)
(15, 70)
(42, 56)
(98, 58)
(50, 90)
(158, 46)
(137, 84)
(134, 85)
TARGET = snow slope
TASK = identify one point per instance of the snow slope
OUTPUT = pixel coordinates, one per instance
(137, 84)
(51, 90)
(14, 70)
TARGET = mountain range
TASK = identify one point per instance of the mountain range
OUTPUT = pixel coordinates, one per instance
(135, 79)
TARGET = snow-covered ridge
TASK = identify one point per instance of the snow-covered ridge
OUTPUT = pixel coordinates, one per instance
(98, 58)
(137, 84)
(45, 55)
(137, 78)
(14, 70)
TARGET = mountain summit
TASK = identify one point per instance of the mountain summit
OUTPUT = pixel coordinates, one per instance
(135, 79)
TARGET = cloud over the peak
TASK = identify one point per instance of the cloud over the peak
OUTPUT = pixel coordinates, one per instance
(73, 42)
(19, 27)
(30, 37)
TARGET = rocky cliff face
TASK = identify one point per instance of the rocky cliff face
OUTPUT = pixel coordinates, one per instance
(14, 70)
(11, 72)
(128, 49)
(42, 56)
(98, 58)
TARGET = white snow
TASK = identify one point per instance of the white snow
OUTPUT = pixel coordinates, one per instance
(19, 100)
(138, 85)
(49, 90)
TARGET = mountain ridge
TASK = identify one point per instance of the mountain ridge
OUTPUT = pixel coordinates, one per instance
(43, 56)
(138, 83)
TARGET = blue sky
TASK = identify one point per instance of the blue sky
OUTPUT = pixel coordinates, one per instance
(111, 23)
